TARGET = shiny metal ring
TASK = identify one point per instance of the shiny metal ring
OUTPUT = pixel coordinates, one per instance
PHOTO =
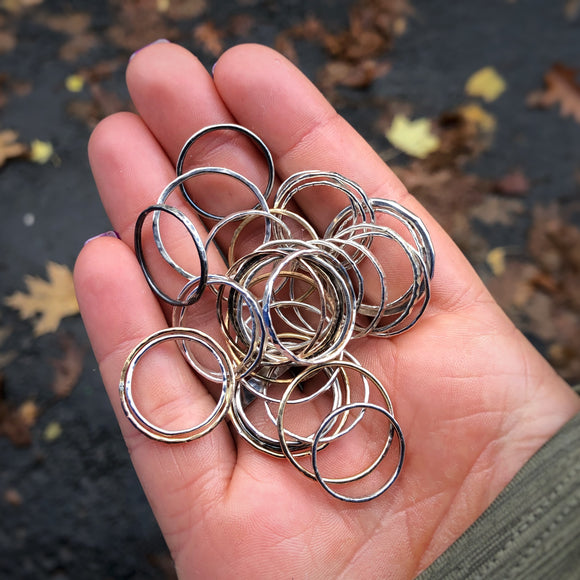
(176, 435)
(224, 127)
(324, 481)
(191, 230)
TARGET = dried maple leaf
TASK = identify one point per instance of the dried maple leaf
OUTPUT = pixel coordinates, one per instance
(10, 148)
(50, 300)
(561, 88)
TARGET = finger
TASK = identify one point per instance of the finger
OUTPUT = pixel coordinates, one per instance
(176, 97)
(119, 311)
(266, 92)
(131, 170)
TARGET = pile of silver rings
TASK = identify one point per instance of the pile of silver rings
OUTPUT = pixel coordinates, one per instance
(287, 311)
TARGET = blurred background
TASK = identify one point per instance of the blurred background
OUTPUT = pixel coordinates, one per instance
(476, 105)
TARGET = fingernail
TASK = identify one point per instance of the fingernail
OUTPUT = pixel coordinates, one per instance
(158, 41)
(110, 234)
(213, 68)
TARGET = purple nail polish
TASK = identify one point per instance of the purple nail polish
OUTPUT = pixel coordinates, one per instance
(110, 234)
(158, 41)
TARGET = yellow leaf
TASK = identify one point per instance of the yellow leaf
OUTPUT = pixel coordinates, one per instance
(496, 261)
(41, 151)
(52, 300)
(413, 137)
(74, 83)
(479, 117)
(485, 83)
(53, 431)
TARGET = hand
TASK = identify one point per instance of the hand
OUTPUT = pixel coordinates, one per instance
(474, 399)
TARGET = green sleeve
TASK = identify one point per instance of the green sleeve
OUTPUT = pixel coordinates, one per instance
(532, 529)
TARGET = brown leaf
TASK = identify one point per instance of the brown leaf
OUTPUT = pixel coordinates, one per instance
(10, 148)
(7, 41)
(561, 88)
(13, 497)
(514, 288)
(357, 75)
(210, 38)
(572, 9)
(72, 23)
(68, 369)
(15, 422)
(186, 9)
(373, 26)
(514, 183)
(241, 25)
(137, 23)
(77, 46)
(496, 210)
(103, 104)
(554, 244)
(447, 193)
(284, 44)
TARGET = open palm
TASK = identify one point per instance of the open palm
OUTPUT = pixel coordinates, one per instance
(473, 397)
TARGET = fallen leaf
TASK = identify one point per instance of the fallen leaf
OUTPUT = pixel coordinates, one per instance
(357, 75)
(13, 497)
(52, 300)
(572, 9)
(10, 148)
(74, 83)
(184, 9)
(136, 23)
(68, 369)
(413, 137)
(29, 413)
(447, 194)
(561, 88)
(495, 210)
(554, 244)
(486, 83)
(7, 41)
(18, 5)
(15, 422)
(209, 37)
(475, 114)
(496, 261)
(514, 183)
(41, 152)
(373, 26)
(71, 23)
(52, 431)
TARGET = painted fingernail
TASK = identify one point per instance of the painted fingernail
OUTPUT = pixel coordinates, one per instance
(158, 41)
(110, 234)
